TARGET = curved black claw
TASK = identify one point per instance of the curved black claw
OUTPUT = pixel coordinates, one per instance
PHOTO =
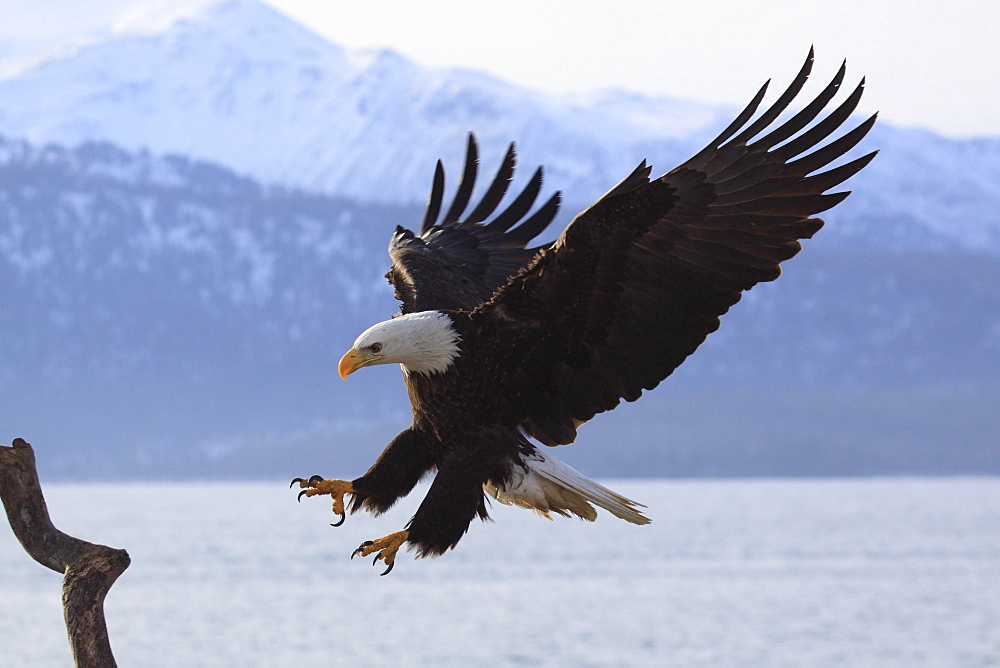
(343, 516)
(386, 571)
(312, 481)
(301, 494)
(360, 547)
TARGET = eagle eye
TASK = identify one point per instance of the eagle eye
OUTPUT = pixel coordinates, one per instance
(375, 348)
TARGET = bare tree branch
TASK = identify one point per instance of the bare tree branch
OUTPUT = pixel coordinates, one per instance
(89, 569)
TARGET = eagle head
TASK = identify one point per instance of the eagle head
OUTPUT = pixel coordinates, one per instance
(424, 342)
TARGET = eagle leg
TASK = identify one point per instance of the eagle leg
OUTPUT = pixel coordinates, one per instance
(386, 548)
(317, 485)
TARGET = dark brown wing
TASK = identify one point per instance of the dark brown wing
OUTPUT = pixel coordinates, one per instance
(457, 263)
(637, 281)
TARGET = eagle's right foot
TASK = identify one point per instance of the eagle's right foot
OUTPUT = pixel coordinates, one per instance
(336, 488)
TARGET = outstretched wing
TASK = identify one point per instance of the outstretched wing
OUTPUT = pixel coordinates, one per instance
(638, 280)
(458, 263)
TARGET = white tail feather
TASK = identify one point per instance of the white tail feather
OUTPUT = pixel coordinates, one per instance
(552, 486)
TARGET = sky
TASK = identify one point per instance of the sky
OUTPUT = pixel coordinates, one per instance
(928, 63)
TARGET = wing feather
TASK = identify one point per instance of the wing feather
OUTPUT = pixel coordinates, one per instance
(434, 199)
(464, 192)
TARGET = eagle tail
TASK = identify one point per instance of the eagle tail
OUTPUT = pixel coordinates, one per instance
(548, 485)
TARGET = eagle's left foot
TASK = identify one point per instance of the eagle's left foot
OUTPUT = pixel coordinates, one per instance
(386, 548)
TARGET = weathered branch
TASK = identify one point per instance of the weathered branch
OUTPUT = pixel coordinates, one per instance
(89, 569)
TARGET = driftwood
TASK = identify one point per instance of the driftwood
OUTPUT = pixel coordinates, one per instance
(89, 569)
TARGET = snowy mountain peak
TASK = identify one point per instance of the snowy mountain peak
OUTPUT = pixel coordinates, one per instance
(152, 18)
(239, 83)
(243, 24)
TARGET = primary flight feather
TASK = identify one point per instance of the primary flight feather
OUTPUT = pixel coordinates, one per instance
(503, 345)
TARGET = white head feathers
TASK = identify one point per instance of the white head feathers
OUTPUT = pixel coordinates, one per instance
(424, 342)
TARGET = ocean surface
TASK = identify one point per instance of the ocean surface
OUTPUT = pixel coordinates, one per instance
(841, 572)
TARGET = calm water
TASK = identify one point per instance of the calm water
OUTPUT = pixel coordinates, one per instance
(756, 572)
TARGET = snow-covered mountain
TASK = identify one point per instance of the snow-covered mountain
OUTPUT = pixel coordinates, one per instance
(245, 86)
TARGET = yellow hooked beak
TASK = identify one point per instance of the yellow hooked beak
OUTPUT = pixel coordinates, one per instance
(353, 361)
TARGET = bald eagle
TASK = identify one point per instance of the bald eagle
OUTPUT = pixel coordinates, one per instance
(503, 346)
